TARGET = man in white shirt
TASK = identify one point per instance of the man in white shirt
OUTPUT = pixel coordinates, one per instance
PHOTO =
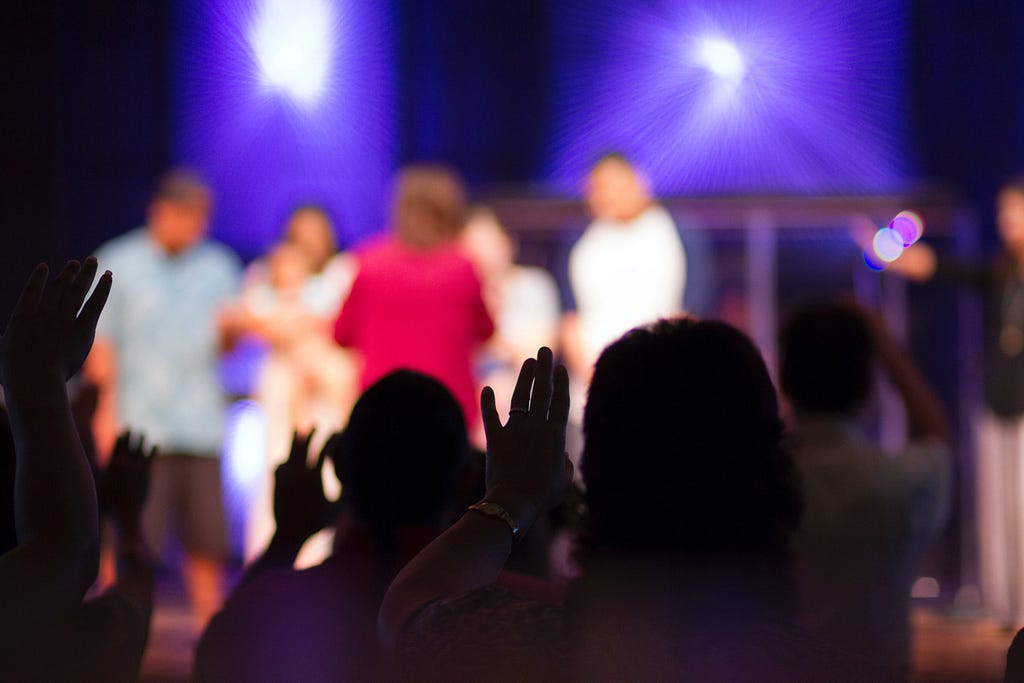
(628, 268)
(869, 515)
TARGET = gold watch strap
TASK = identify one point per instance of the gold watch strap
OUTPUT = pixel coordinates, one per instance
(495, 511)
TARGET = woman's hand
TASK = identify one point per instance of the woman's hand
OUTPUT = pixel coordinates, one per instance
(301, 508)
(528, 471)
(50, 331)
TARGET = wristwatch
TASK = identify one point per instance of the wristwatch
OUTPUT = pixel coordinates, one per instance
(495, 511)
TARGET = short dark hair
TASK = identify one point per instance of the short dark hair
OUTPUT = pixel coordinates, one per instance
(826, 359)
(402, 452)
(182, 184)
(683, 446)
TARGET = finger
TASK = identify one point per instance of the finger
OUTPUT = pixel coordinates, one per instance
(489, 413)
(32, 291)
(120, 446)
(570, 469)
(55, 292)
(297, 454)
(542, 384)
(139, 451)
(327, 450)
(94, 306)
(558, 415)
(521, 394)
(74, 295)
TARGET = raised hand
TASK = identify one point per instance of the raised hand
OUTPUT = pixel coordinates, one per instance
(124, 485)
(300, 507)
(528, 471)
(50, 331)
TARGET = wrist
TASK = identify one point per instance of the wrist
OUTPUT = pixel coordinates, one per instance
(288, 540)
(521, 509)
(25, 382)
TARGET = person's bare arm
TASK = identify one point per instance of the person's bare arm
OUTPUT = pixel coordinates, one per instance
(573, 349)
(100, 369)
(925, 414)
(527, 474)
(45, 342)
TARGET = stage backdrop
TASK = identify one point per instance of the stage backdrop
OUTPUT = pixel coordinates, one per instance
(733, 96)
(283, 102)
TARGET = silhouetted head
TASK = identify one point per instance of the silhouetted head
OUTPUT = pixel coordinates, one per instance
(826, 360)
(1010, 216)
(429, 205)
(402, 451)
(683, 450)
(615, 191)
(310, 227)
(179, 212)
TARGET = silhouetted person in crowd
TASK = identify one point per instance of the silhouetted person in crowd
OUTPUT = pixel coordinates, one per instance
(398, 461)
(869, 514)
(692, 503)
(416, 301)
(155, 363)
(46, 631)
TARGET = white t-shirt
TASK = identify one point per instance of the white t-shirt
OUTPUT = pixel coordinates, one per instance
(626, 274)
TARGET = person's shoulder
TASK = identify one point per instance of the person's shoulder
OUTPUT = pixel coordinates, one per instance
(535, 279)
(125, 244)
(477, 613)
(486, 632)
(218, 254)
(922, 461)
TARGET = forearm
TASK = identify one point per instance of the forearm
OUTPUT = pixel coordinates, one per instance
(573, 348)
(135, 570)
(55, 505)
(925, 414)
(280, 554)
(469, 555)
(101, 370)
(55, 498)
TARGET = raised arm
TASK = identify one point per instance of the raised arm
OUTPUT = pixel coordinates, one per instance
(925, 414)
(45, 342)
(528, 473)
(300, 507)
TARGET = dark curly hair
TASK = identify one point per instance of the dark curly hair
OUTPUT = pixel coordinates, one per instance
(683, 447)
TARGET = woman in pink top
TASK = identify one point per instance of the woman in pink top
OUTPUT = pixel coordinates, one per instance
(416, 301)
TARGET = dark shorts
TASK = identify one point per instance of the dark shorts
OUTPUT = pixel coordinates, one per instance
(185, 503)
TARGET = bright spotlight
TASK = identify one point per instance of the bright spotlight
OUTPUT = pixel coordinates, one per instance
(292, 41)
(722, 58)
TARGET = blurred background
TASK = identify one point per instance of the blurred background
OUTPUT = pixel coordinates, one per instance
(769, 129)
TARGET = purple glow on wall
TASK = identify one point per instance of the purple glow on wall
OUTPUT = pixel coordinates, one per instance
(278, 114)
(733, 96)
